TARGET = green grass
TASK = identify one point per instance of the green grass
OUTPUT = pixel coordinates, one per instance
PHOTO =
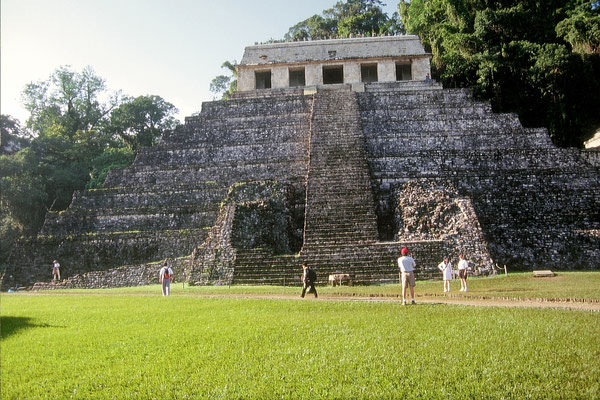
(571, 285)
(146, 346)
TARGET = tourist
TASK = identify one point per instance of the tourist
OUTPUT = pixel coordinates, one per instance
(446, 268)
(55, 270)
(309, 279)
(166, 277)
(407, 276)
(463, 267)
(428, 79)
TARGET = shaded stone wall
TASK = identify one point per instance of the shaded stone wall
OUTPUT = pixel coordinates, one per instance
(166, 203)
(536, 204)
(254, 215)
(130, 275)
(433, 210)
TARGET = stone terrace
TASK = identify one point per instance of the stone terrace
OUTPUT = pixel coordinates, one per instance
(537, 204)
(348, 158)
(165, 203)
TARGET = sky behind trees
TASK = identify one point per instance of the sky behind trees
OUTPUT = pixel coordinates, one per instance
(170, 48)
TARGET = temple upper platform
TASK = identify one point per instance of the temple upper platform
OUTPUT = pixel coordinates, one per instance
(354, 61)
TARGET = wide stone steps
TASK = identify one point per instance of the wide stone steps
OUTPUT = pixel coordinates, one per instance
(104, 202)
(147, 221)
(403, 86)
(293, 131)
(454, 141)
(366, 263)
(340, 207)
(223, 175)
(236, 108)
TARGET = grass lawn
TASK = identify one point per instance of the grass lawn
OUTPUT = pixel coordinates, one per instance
(146, 346)
(565, 285)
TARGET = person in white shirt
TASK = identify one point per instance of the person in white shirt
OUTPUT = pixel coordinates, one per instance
(407, 276)
(463, 267)
(446, 268)
(55, 270)
(166, 277)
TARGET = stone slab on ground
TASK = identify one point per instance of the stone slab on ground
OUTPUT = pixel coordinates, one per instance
(543, 273)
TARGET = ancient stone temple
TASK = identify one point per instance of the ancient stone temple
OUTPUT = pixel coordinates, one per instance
(336, 173)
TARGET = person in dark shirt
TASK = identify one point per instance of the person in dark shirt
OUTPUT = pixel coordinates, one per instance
(309, 278)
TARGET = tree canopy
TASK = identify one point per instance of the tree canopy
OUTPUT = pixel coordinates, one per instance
(77, 131)
(539, 60)
(225, 85)
(345, 18)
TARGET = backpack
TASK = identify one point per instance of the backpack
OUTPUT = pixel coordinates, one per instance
(312, 275)
(166, 273)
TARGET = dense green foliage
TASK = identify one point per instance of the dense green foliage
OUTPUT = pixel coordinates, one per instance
(345, 18)
(540, 60)
(79, 132)
(82, 346)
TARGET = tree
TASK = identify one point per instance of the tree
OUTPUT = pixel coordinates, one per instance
(12, 138)
(140, 121)
(537, 60)
(225, 85)
(68, 99)
(76, 139)
(23, 196)
(581, 29)
(345, 18)
(311, 28)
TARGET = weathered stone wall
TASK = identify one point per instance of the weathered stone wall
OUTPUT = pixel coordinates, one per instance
(433, 210)
(532, 200)
(254, 215)
(592, 156)
(79, 254)
(519, 198)
(166, 203)
(130, 275)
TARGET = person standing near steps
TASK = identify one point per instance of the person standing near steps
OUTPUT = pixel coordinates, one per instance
(166, 277)
(407, 276)
(309, 278)
(463, 267)
(446, 268)
(55, 271)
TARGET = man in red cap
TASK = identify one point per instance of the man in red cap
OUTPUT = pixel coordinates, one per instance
(407, 276)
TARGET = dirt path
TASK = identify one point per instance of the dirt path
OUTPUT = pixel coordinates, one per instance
(490, 302)
(424, 300)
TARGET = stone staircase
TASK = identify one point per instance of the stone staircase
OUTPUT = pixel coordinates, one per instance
(340, 232)
(339, 203)
(367, 263)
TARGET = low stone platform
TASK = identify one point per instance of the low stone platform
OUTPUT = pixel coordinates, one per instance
(340, 279)
(546, 273)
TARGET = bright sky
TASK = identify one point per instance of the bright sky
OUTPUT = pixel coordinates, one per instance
(170, 48)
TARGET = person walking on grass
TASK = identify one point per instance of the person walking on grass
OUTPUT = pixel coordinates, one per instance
(55, 270)
(166, 277)
(463, 267)
(407, 276)
(446, 268)
(309, 279)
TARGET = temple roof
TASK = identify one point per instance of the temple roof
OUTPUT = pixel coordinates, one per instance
(333, 49)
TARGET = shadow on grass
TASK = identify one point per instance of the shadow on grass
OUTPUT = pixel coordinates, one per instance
(11, 325)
